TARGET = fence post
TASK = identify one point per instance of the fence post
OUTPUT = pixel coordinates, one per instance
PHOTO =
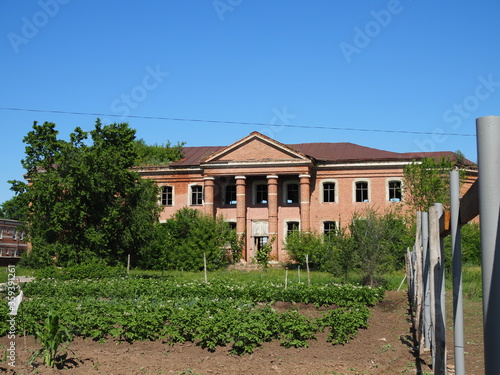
(488, 141)
(437, 284)
(458, 315)
(418, 278)
(426, 281)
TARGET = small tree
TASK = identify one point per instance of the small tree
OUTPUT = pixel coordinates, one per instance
(427, 182)
(299, 244)
(379, 242)
(339, 256)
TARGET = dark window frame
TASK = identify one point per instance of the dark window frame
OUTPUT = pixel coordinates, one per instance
(230, 195)
(196, 195)
(361, 188)
(261, 194)
(167, 196)
(292, 195)
(329, 192)
(395, 192)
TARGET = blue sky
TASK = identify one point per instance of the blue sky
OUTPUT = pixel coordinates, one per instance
(405, 66)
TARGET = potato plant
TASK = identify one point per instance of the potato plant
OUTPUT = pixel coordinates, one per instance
(219, 313)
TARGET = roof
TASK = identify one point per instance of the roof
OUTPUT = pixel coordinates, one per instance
(322, 151)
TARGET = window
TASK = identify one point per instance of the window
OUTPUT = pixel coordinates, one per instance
(1, 233)
(292, 193)
(292, 226)
(167, 196)
(232, 225)
(361, 191)
(395, 191)
(261, 193)
(328, 192)
(230, 194)
(196, 195)
(329, 227)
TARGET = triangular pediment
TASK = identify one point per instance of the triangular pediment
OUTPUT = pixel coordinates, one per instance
(254, 148)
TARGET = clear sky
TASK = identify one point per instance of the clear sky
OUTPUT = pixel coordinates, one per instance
(400, 65)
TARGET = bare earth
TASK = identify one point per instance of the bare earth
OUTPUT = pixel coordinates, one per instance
(386, 347)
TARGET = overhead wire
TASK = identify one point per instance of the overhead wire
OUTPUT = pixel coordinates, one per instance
(210, 121)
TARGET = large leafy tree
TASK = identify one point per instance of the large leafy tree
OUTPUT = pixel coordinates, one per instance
(85, 201)
(16, 208)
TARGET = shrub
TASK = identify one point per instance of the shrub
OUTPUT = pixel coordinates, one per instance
(185, 237)
(299, 244)
(97, 270)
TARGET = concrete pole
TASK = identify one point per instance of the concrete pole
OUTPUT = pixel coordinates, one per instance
(458, 313)
(488, 157)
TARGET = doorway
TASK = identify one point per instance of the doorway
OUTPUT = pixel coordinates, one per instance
(260, 235)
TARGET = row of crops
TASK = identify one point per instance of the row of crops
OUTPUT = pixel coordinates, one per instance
(219, 313)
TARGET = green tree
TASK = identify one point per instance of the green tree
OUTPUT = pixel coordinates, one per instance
(85, 202)
(427, 182)
(156, 154)
(379, 242)
(299, 244)
(16, 208)
(182, 240)
(339, 256)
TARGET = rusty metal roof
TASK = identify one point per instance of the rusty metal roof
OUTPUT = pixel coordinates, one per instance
(341, 152)
(322, 151)
(193, 155)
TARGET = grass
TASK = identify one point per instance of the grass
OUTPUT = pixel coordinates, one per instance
(471, 282)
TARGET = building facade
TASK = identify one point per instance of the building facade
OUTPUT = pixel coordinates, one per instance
(265, 189)
(12, 242)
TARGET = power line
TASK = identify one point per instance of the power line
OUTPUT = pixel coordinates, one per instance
(233, 122)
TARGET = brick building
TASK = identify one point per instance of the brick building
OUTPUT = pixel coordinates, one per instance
(12, 241)
(264, 188)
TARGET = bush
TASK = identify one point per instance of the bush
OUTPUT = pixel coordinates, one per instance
(181, 242)
(471, 246)
(299, 244)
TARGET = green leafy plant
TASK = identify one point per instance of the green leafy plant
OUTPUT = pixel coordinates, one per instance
(53, 337)
(263, 255)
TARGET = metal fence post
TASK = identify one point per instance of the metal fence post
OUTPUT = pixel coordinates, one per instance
(458, 315)
(488, 150)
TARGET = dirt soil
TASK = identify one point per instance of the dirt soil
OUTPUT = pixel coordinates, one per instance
(386, 347)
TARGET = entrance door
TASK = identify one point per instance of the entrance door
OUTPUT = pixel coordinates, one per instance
(260, 235)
